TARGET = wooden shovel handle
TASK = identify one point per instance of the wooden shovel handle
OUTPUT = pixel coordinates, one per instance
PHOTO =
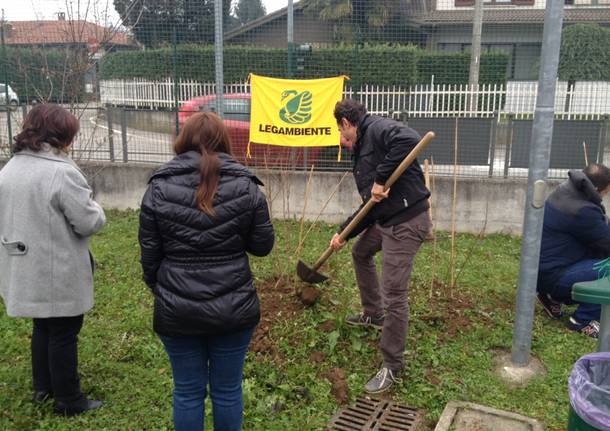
(371, 203)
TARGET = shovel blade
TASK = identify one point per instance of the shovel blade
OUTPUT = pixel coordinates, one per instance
(308, 275)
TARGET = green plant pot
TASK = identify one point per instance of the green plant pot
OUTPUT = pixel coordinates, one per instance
(575, 423)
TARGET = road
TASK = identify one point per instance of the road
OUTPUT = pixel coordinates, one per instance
(93, 141)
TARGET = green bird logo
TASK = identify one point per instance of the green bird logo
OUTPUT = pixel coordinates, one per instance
(297, 107)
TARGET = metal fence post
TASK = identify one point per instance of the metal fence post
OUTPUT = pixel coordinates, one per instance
(175, 77)
(124, 135)
(218, 57)
(290, 38)
(7, 104)
(603, 139)
(493, 135)
(290, 72)
(540, 151)
(110, 132)
(509, 142)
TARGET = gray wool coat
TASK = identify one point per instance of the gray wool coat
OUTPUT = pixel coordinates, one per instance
(47, 215)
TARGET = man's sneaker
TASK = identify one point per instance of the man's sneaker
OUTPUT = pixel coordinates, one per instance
(382, 381)
(365, 320)
(590, 329)
(551, 307)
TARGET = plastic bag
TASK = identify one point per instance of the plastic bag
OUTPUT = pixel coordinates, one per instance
(589, 388)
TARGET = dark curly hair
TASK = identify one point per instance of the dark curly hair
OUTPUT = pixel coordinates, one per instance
(46, 123)
(351, 110)
(599, 175)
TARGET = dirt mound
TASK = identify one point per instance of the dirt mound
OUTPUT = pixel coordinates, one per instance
(317, 357)
(309, 295)
(278, 304)
(449, 310)
(328, 326)
(339, 387)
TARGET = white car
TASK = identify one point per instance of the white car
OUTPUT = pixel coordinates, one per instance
(13, 99)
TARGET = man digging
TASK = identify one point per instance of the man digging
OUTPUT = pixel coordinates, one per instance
(397, 225)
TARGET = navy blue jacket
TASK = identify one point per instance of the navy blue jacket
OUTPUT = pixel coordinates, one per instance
(195, 264)
(575, 228)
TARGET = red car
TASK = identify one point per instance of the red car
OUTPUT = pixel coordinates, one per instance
(237, 120)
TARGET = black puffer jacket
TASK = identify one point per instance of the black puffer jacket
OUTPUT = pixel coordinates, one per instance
(382, 144)
(197, 265)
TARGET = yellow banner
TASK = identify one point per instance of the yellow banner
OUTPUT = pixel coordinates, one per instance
(295, 113)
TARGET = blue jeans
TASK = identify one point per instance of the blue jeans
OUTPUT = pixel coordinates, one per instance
(580, 271)
(197, 361)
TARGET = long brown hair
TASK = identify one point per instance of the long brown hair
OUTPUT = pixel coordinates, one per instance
(205, 133)
(46, 123)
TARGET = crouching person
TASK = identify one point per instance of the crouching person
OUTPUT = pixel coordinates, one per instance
(575, 239)
(200, 216)
(46, 271)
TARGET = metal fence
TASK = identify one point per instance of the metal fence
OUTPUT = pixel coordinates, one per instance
(582, 100)
(134, 74)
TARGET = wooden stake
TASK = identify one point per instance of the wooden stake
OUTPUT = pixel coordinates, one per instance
(322, 210)
(453, 204)
(433, 268)
(302, 222)
(427, 173)
(427, 183)
(584, 147)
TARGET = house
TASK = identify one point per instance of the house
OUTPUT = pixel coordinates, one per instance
(271, 30)
(74, 35)
(514, 26)
(62, 33)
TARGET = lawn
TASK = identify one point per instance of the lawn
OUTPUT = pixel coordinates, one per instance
(453, 336)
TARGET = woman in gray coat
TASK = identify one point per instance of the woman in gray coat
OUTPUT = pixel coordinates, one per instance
(47, 215)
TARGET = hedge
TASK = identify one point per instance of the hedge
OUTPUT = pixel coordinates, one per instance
(50, 74)
(585, 53)
(377, 65)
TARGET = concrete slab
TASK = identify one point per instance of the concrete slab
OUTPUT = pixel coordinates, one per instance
(464, 416)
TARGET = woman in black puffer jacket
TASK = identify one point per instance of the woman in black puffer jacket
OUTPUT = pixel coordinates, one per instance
(201, 214)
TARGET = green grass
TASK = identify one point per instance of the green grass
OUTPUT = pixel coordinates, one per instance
(450, 348)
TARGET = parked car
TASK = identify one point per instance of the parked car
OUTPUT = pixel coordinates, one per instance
(237, 119)
(13, 99)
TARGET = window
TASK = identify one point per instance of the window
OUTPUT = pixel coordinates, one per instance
(500, 2)
(235, 109)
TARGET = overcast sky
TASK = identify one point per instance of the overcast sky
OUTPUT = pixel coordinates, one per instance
(21, 10)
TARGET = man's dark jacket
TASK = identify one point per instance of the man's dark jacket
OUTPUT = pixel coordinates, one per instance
(381, 145)
(195, 264)
(575, 228)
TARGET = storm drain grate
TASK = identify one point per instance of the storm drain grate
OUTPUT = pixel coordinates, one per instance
(375, 414)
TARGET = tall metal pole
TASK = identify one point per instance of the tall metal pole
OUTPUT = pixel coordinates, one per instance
(540, 151)
(291, 61)
(475, 53)
(5, 77)
(175, 77)
(218, 50)
(290, 37)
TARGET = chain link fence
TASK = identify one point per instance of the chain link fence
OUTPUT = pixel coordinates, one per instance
(135, 70)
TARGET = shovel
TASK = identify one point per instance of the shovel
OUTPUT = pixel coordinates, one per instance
(311, 275)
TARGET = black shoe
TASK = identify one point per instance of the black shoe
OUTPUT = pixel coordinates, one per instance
(73, 409)
(590, 329)
(40, 397)
(551, 307)
(365, 320)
